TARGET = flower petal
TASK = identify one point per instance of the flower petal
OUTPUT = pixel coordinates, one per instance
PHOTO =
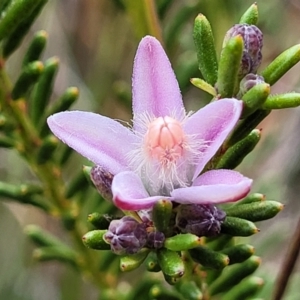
(100, 139)
(212, 124)
(129, 192)
(155, 88)
(215, 186)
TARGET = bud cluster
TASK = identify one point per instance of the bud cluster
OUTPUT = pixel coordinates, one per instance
(201, 220)
(128, 236)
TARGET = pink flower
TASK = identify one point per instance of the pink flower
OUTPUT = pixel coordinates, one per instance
(164, 152)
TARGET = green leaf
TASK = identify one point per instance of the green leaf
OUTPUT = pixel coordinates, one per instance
(238, 227)
(43, 89)
(219, 242)
(212, 275)
(152, 263)
(132, 262)
(42, 238)
(235, 154)
(255, 197)
(170, 262)
(141, 289)
(205, 48)
(94, 240)
(17, 12)
(29, 76)
(238, 253)
(15, 38)
(190, 291)
(247, 288)
(45, 152)
(229, 65)
(209, 258)
(36, 47)
(281, 101)
(281, 64)
(233, 275)
(159, 292)
(255, 98)
(181, 242)
(56, 253)
(99, 221)
(204, 86)
(161, 214)
(256, 211)
(250, 16)
(25, 193)
(4, 4)
(245, 126)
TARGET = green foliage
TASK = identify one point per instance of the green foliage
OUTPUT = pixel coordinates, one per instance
(244, 127)
(28, 77)
(205, 47)
(255, 98)
(171, 263)
(282, 101)
(43, 90)
(181, 242)
(234, 275)
(94, 240)
(238, 227)
(131, 262)
(36, 47)
(161, 214)
(17, 19)
(238, 253)
(209, 258)
(256, 211)
(29, 12)
(229, 66)
(281, 64)
(235, 154)
(250, 16)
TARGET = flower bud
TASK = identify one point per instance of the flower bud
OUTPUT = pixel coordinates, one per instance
(126, 236)
(201, 220)
(102, 180)
(248, 82)
(156, 239)
(253, 43)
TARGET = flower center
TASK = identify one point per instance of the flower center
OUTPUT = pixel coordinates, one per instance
(164, 140)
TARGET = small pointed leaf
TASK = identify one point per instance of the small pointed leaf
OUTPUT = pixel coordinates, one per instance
(132, 262)
(205, 48)
(238, 227)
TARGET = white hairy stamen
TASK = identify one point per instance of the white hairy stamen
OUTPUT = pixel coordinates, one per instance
(166, 156)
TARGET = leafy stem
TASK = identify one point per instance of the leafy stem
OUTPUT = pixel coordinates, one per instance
(49, 174)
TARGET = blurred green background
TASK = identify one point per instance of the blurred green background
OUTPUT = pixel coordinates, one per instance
(96, 41)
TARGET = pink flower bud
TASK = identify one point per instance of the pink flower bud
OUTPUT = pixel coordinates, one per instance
(253, 42)
(126, 236)
(102, 180)
(201, 220)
